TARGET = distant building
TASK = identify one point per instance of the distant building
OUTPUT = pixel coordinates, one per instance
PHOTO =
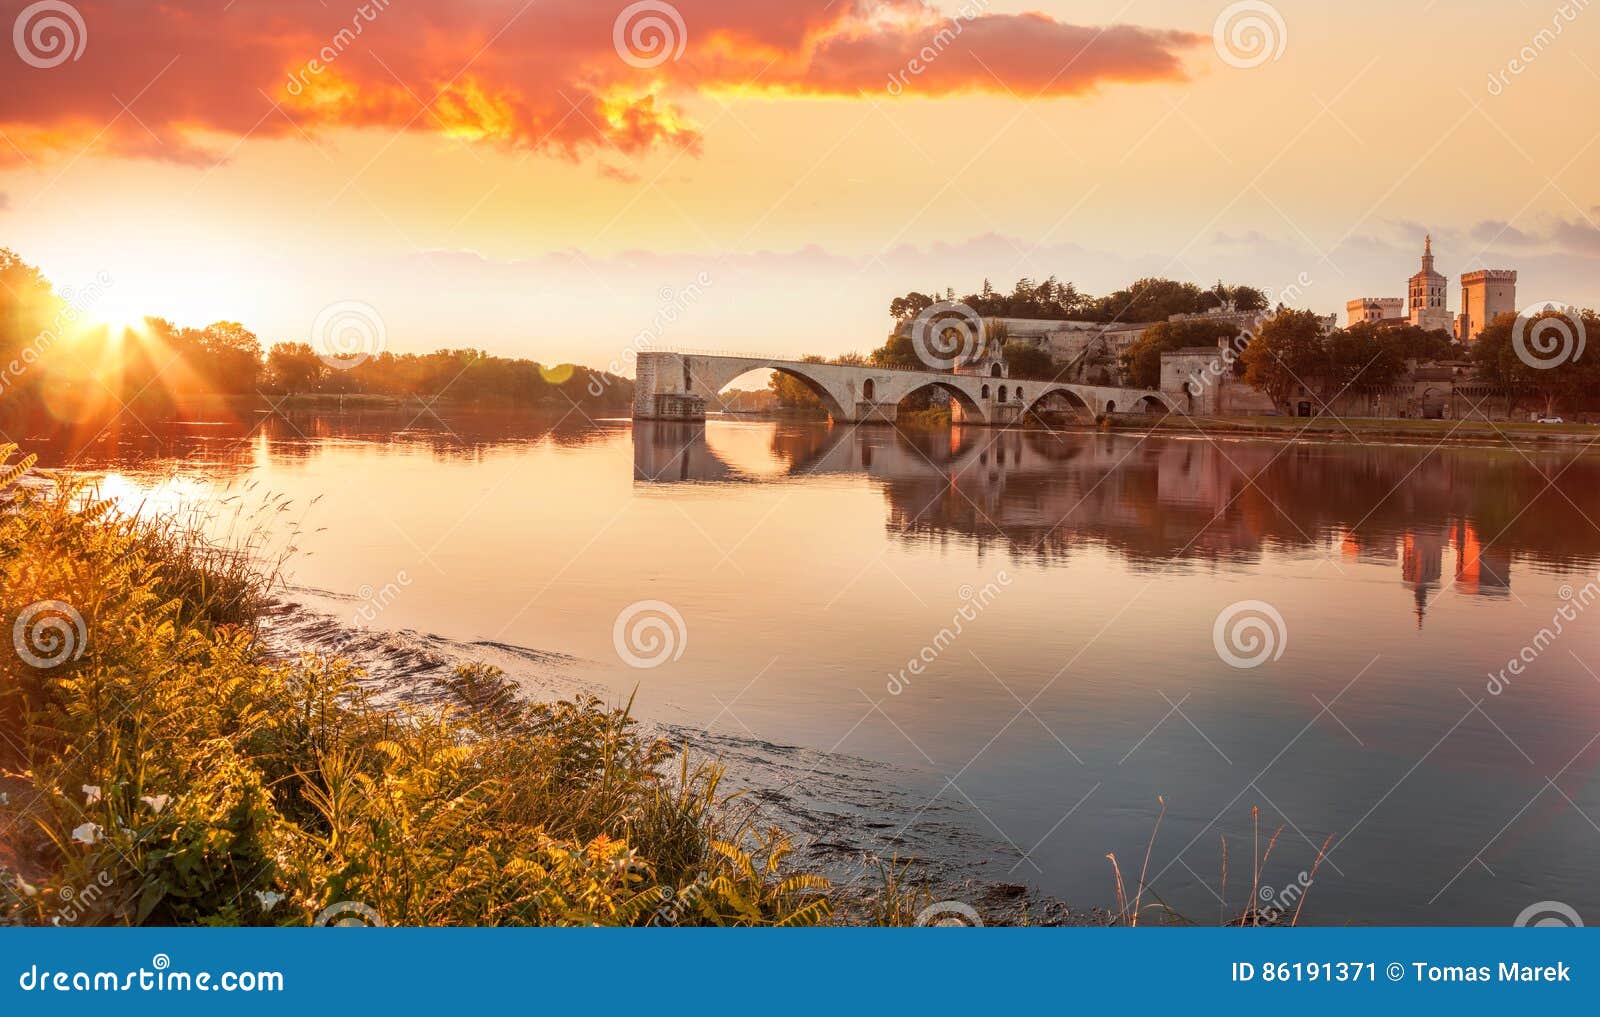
(1485, 295)
(1373, 310)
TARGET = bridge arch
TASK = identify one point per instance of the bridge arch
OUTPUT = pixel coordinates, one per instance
(716, 379)
(971, 408)
(1060, 395)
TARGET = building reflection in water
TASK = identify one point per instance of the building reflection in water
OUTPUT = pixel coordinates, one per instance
(1178, 503)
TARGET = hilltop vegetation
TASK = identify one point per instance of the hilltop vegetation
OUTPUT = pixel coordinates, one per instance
(1143, 300)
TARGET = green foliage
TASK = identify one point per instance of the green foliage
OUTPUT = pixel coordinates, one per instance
(1566, 380)
(1029, 363)
(1141, 362)
(198, 782)
(51, 357)
(1143, 300)
(792, 393)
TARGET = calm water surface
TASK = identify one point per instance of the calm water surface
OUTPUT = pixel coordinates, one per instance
(1060, 595)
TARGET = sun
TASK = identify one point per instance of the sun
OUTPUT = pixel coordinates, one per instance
(117, 318)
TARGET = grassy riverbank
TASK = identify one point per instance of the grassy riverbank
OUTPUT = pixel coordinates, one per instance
(159, 769)
(1364, 429)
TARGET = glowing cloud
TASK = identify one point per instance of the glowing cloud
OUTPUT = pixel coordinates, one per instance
(184, 80)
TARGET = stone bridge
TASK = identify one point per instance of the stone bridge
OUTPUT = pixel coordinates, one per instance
(675, 386)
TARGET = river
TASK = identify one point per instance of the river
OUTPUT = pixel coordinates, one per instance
(993, 650)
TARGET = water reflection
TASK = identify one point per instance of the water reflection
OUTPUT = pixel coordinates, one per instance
(230, 446)
(1456, 517)
(811, 563)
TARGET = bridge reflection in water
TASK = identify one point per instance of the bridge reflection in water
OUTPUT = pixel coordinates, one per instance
(1454, 518)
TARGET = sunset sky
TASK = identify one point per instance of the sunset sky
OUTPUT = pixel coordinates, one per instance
(499, 174)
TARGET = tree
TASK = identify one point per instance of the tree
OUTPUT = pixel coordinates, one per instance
(1141, 362)
(31, 319)
(1150, 300)
(793, 394)
(231, 357)
(1028, 363)
(1287, 348)
(295, 367)
(899, 352)
(910, 305)
(1542, 361)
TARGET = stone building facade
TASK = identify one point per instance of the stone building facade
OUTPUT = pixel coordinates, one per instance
(1373, 309)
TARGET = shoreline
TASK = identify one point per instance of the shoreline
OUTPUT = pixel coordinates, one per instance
(829, 801)
(1370, 430)
(1334, 430)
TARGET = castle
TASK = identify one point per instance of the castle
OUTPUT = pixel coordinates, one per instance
(1485, 295)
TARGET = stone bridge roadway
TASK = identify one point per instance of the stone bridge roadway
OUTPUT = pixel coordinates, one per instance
(674, 386)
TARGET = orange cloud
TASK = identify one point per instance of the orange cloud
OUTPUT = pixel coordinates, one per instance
(572, 77)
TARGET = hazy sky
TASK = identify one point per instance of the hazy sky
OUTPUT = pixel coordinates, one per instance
(508, 175)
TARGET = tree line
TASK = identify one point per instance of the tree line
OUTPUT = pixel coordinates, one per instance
(53, 358)
(1148, 299)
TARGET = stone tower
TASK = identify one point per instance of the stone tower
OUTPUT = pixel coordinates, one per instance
(1485, 295)
(1429, 294)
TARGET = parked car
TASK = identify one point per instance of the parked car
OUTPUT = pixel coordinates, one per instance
(1551, 420)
